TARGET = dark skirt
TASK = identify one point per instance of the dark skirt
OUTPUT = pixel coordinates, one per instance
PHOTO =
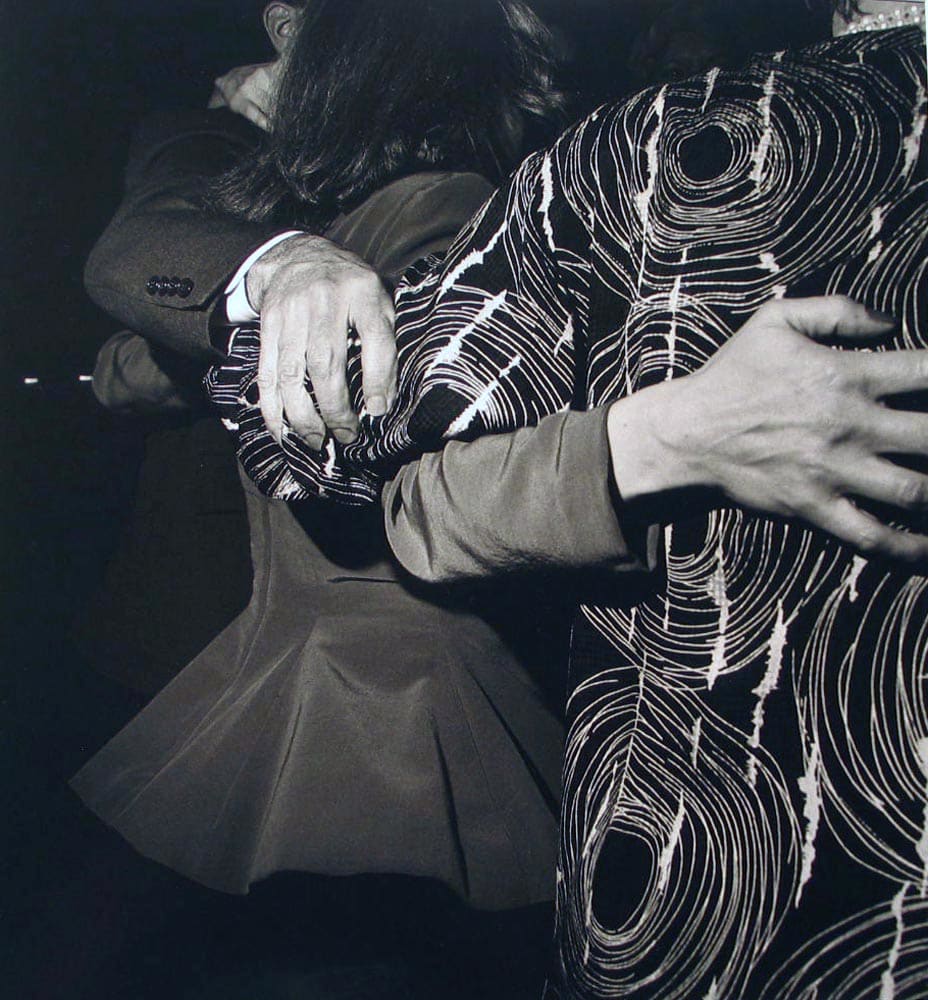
(341, 725)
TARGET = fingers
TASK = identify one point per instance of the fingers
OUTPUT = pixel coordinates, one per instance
(282, 374)
(862, 531)
(826, 316)
(291, 379)
(877, 479)
(895, 432)
(373, 319)
(310, 292)
(310, 335)
(888, 373)
(326, 362)
(246, 90)
(250, 110)
(270, 400)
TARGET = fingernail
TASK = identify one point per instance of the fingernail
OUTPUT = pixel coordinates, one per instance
(377, 406)
(343, 435)
(881, 317)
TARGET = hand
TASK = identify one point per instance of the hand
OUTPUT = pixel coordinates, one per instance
(309, 292)
(248, 91)
(784, 426)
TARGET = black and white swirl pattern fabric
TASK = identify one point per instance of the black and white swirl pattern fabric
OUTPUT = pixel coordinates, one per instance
(746, 778)
(746, 775)
(481, 348)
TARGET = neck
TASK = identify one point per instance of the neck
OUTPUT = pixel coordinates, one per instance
(889, 9)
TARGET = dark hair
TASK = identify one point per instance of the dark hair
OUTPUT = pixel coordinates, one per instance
(374, 89)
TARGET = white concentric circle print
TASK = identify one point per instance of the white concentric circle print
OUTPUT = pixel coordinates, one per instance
(880, 954)
(655, 768)
(863, 693)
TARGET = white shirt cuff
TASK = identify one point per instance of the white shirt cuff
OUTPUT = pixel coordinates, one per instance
(238, 308)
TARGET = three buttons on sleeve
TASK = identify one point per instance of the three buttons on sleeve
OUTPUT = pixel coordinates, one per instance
(162, 285)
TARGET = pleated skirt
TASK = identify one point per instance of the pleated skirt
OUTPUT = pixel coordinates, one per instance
(341, 725)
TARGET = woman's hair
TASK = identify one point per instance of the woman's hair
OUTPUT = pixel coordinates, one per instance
(375, 89)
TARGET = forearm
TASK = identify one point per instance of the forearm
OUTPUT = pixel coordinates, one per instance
(132, 377)
(537, 498)
(161, 231)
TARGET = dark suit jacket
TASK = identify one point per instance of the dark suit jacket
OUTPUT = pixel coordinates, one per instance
(162, 264)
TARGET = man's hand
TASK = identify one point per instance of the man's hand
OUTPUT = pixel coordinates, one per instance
(248, 91)
(310, 293)
(785, 426)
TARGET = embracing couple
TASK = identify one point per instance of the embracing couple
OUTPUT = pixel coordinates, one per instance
(620, 390)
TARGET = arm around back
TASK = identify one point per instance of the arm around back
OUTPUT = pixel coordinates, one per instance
(163, 261)
(538, 498)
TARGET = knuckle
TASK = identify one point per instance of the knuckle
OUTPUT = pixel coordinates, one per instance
(337, 411)
(841, 303)
(833, 429)
(835, 398)
(322, 298)
(834, 373)
(321, 361)
(771, 309)
(868, 539)
(377, 374)
(805, 506)
(920, 363)
(911, 493)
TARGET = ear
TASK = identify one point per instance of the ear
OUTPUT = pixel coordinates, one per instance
(280, 21)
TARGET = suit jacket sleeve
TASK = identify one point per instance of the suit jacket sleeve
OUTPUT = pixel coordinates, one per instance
(533, 499)
(134, 376)
(160, 232)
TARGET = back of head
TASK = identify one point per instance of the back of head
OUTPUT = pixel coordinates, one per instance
(681, 38)
(375, 89)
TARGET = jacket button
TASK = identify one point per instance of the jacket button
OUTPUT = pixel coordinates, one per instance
(185, 287)
(164, 284)
(151, 286)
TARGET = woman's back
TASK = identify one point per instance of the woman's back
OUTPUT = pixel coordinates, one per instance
(341, 724)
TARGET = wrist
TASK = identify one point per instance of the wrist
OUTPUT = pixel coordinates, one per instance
(255, 283)
(654, 442)
(262, 265)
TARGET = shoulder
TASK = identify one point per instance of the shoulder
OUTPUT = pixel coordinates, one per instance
(837, 75)
(165, 126)
(417, 197)
(411, 218)
(164, 131)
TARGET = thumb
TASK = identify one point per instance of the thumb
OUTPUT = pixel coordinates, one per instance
(827, 316)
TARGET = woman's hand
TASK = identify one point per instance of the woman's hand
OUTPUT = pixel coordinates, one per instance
(785, 426)
(248, 91)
